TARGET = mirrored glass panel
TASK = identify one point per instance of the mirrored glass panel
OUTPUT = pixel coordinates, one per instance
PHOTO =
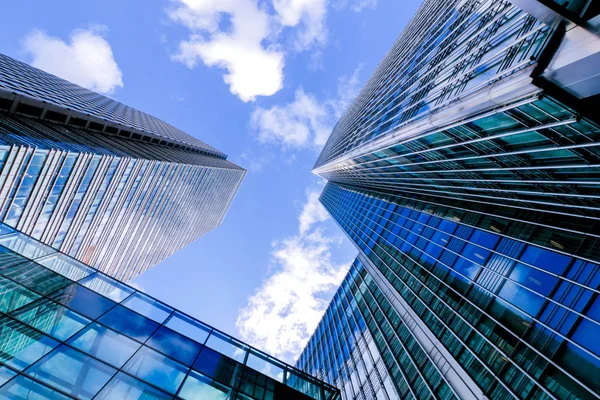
(174, 345)
(129, 323)
(218, 367)
(25, 245)
(105, 344)
(148, 307)
(52, 318)
(35, 277)
(66, 266)
(228, 346)
(265, 365)
(108, 287)
(125, 387)
(21, 345)
(83, 300)
(72, 372)
(199, 387)
(23, 388)
(188, 327)
(13, 295)
(157, 369)
(6, 374)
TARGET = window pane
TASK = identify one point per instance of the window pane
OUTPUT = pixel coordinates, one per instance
(262, 364)
(228, 346)
(21, 345)
(13, 296)
(125, 387)
(73, 372)
(199, 387)
(66, 266)
(35, 277)
(217, 366)
(83, 300)
(6, 374)
(129, 323)
(53, 319)
(534, 279)
(24, 388)
(148, 307)
(545, 259)
(522, 298)
(157, 369)
(26, 246)
(188, 327)
(105, 344)
(106, 286)
(175, 345)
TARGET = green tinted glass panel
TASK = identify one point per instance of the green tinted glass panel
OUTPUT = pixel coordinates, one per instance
(13, 295)
(21, 345)
(53, 319)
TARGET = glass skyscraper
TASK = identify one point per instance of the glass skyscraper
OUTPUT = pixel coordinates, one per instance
(103, 182)
(467, 175)
(68, 331)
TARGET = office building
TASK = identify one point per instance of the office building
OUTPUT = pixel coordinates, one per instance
(68, 331)
(466, 173)
(103, 182)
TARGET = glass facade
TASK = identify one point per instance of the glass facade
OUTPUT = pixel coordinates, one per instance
(119, 204)
(469, 183)
(68, 331)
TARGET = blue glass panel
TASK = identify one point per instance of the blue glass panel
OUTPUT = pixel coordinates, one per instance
(73, 372)
(21, 345)
(594, 311)
(13, 295)
(6, 374)
(534, 279)
(52, 318)
(106, 286)
(522, 298)
(217, 366)
(228, 346)
(157, 369)
(485, 239)
(265, 365)
(545, 259)
(23, 388)
(175, 345)
(125, 387)
(66, 266)
(25, 245)
(105, 344)
(148, 307)
(587, 334)
(476, 254)
(466, 268)
(188, 327)
(199, 387)
(129, 323)
(83, 300)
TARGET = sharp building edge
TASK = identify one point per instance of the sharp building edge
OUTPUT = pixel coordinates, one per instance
(467, 174)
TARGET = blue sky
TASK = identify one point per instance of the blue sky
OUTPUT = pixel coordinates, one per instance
(263, 81)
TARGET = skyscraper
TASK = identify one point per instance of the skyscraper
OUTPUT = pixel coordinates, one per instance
(68, 331)
(466, 174)
(103, 182)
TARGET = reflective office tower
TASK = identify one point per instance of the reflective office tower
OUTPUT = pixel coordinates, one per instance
(103, 182)
(467, 175)
(68, 331)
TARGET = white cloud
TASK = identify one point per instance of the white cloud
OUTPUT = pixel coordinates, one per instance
(309, 15)
(86, 60)
(252, 69)
(305, 122)
(285, 310)
(355, 5)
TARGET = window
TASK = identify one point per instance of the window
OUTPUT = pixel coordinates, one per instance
(188, 327)
(545, 259)
(105, 344)
(217, 366)
(22, 387)
(13, 296)
(66, 266)
(129, 323)
(175, 345)
(83, 300)
(22, 345)
(53, 319)
(106, 286)
(35, 277)
(148, 307)
(125, 387)
(228, 346)
(6, 375)
(73, 372)
(157, 369)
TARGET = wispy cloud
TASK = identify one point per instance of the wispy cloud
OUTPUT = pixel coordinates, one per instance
(86, 60)
(306, 122)
(249, 39)
(285, 310)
